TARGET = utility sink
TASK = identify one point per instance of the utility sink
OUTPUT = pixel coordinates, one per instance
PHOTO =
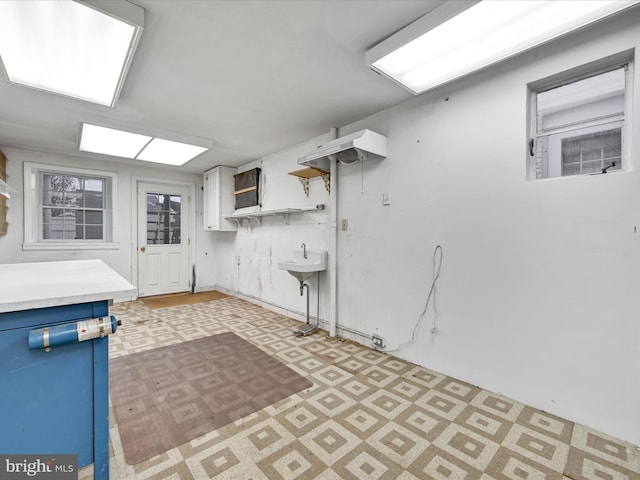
(303, 268)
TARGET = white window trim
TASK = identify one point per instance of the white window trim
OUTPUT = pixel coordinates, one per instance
(574, 75)
(33, 224)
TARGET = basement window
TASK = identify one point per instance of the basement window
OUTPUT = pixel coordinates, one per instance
(579, 125)
(68, 208)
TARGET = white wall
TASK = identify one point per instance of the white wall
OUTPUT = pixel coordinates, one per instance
(260, 247)
(538, 296)
(123, 259)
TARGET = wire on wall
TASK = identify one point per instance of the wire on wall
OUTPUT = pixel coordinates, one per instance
(434, 282)
(436, 266)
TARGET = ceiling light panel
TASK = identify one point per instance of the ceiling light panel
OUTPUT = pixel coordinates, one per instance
(170, 153)
(135, 146)
(459, 38)
(70, 48)
(109, 141)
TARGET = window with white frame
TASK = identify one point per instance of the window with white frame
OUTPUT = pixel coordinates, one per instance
(68, 207)
(579, 125)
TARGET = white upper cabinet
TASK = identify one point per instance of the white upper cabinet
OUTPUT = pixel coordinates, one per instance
(219, 199)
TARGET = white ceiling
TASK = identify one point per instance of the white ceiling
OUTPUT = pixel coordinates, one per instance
(254, 77)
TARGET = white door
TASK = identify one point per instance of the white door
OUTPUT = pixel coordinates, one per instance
(163, 239)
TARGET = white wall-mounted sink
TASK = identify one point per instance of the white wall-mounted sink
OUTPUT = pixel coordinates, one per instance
(303, 268)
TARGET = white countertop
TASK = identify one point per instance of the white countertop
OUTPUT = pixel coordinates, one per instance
(24, 286)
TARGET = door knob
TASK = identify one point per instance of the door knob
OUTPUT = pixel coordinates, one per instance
(142, 249)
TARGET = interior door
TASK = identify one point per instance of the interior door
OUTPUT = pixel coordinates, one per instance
(163, 239)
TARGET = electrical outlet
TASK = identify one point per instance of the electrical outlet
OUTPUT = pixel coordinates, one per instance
(237, 259)
(377, 342)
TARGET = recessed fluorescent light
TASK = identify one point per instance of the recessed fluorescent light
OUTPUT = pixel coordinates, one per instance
(462, 37)
(120, 143)
(81, 50)
(109, 141)
(170, 153)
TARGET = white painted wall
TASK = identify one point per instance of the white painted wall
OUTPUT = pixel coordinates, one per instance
(123, 259)
(538, 296)
(261, 247)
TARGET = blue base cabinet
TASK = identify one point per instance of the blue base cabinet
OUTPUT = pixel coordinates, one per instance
(55, 402)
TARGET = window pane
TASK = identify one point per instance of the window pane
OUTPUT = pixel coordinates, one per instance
(52, 198)
(591, 167)
(612, 144)
(69, 225)
(591, 98)
(72, 199)
(594, 152)
(152, 236)
(93, 200)
(53, 222)
(94, 185)
(93, 217)
(158, 236)
(579, 126)
(61, 183)
(93, 232)
(163, 219)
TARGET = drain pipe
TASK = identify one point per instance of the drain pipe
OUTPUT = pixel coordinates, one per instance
(333, 227)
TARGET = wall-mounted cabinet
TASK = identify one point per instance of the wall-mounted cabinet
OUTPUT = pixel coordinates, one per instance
(219, 199)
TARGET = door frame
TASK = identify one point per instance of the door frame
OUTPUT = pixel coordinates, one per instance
(135, 181)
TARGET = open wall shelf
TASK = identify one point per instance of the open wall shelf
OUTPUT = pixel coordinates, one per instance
(255, 218)
(305, 174)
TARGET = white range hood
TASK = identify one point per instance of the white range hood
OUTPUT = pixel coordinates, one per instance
(358, 146)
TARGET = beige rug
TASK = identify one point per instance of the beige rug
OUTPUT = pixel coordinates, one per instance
(174, 299)
(170, 395)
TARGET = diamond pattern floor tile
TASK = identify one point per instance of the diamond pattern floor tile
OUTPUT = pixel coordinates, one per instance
(367, 416)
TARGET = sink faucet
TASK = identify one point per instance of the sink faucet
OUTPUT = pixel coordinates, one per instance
(304, 250)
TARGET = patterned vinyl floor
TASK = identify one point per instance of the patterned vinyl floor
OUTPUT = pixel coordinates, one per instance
(368, 415)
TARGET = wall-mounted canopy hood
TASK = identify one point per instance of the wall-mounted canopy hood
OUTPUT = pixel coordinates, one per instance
(358, 146)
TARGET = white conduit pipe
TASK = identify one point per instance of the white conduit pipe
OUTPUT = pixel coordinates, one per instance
(333, 234)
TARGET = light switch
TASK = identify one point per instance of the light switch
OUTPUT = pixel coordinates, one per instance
(386, 198)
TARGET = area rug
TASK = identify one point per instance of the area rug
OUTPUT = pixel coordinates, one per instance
(168, 396)
(164, 301)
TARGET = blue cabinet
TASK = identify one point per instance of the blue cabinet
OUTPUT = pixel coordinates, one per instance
(55, 402)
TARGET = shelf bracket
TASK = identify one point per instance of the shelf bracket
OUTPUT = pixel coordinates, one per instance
(305, 185)
(327, 182)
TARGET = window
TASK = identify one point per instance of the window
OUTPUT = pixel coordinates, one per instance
(163, 219)
(68, 208)
(579, 125)
(72, 207)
